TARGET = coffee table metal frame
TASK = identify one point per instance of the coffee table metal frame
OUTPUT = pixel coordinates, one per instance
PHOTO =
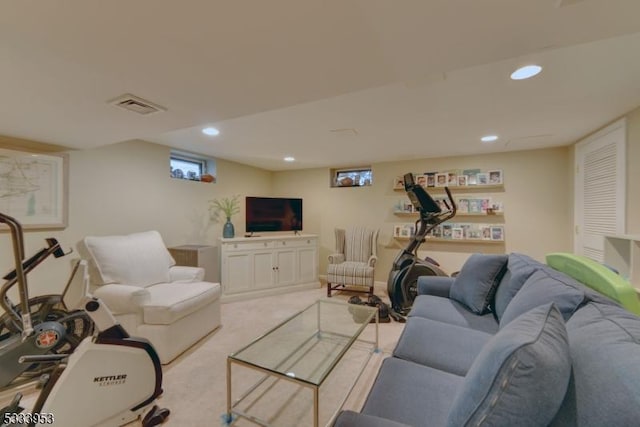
(365, 314)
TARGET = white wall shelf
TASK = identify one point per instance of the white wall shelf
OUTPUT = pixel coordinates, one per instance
(622, 252)
(468, 241)
(461, 189)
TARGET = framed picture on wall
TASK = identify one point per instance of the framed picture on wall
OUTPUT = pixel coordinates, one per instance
(33, 188)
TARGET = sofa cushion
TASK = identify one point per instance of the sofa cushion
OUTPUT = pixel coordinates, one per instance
(412, 394)
(542, 287)
(452, 312)
(605, 350)
(443, 346)
(138, 259)
(172, 301)
(520, 377)
(519, 268)
(476, 283)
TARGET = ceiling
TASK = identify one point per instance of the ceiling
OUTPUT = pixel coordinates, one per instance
(330, 82)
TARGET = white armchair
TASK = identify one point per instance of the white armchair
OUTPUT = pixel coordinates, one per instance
(169, 305)
(353, 264)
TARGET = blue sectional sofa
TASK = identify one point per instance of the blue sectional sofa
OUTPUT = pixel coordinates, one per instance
(508, 342)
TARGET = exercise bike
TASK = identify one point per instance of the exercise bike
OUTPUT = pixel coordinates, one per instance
(407, 266)
(111, 379)
(39, 325)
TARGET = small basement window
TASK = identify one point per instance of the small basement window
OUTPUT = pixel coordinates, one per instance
(192, 167)
(352, 177)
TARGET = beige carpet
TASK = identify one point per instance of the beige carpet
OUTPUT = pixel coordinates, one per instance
(195, 383)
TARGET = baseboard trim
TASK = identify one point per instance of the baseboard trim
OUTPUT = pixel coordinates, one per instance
(268, 292)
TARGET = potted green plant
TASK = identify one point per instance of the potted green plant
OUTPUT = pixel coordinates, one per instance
(228, 206)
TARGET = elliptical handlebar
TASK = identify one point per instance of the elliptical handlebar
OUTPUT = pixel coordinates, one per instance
(453, 208)
(19, 274)
(18, 255)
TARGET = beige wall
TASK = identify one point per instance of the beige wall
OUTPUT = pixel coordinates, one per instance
(537, 202)
(125, 188)
(633, 172)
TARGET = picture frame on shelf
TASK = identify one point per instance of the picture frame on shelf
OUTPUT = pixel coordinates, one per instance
(457, 233)
(497, 207)
(441, 179)
(472, 176)
(462, 180)
(408, 230)
(483, 178)
(495, 177)
(485, 204)
(497, 233)
(398, 184)
(474, 206)
(463, 205)
(446, 231)
(397, 230)
(486, 232)
(421, 180)
(452, 179)
(431, 179)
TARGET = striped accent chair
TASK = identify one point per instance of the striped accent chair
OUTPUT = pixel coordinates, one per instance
(354, 262)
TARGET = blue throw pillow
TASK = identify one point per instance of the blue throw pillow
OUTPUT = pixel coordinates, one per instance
(520, 376)
(543, 287)
(519, 268)
(476, 283)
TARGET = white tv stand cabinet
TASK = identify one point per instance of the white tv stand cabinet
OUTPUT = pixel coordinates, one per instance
(268, 265)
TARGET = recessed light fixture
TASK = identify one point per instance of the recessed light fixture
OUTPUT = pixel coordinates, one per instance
(489, 138)
(526, 72)
(289, 159)
(211, 131)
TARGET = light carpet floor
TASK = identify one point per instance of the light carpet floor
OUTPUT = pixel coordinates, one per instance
(195, 383)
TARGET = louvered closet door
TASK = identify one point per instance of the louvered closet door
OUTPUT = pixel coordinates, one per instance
(600, 189)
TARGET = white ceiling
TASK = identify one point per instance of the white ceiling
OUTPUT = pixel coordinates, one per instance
(413, 78)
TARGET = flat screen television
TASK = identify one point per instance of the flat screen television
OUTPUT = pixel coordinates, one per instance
(273, 214)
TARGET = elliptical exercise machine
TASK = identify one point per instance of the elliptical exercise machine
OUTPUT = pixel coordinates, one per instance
(407, 267)
(39, 325)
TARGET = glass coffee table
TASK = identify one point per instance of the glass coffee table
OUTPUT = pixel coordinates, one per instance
(304, 349)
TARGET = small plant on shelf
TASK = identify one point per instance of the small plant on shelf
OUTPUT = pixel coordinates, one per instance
(228, 206)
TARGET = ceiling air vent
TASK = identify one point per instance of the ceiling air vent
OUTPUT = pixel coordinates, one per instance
(136, 104)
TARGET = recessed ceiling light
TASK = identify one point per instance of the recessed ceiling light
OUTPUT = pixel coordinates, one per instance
(211, 131)
(489, 138)
(526, 72)
(289, 159)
